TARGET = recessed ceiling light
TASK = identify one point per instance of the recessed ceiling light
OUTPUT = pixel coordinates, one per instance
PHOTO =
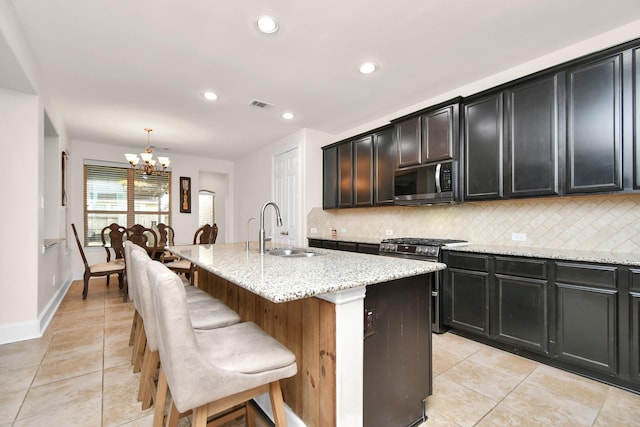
(288, 115)
(367, 68)
(267, 24)
(210, 96)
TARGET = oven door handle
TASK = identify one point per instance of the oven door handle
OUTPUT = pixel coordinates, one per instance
(438, 187)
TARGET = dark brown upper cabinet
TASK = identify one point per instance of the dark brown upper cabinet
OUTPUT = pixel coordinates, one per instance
(384, 165)
(483, 148)
(429, 135)
(330, 177)
(531, 138)
(440, 133)
(363, 171)
(594, 126)
(345, 175)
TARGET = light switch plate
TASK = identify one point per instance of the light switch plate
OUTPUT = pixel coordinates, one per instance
(314, 230)
(388, 232)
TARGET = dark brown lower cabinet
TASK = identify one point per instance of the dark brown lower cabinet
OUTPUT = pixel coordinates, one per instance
(521, 315)
(467, 297)
(579, 316)
(634, 308)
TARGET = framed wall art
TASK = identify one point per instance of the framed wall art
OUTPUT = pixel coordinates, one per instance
(185, 194)
(65, 158)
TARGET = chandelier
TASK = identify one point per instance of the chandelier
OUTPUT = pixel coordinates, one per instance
(149, 166)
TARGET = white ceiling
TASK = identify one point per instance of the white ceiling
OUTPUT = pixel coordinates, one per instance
(114, 67)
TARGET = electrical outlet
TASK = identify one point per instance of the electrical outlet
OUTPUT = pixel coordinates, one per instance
(314, 230)
(53, 280)
(343, 230)
(388, 232)
(519, 237)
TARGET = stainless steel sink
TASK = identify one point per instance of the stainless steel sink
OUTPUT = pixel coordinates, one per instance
(293, 253)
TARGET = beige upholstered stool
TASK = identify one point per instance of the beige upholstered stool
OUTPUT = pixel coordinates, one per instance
(206, 313)
(209, 372)
(137, 338)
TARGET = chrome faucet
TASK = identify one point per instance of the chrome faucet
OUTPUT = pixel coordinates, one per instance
(248, 223)
(261, 237)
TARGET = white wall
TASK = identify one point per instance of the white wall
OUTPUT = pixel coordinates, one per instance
(217, 183)
(28, 297)
(184, 224)
(254, 188)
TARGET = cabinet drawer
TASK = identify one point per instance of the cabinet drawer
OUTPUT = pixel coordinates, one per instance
(369, 248)
(635, 280)
(533, 268)
(328, 244)
(315, 243)
(587, 274)
(467, 261)
(347, 246)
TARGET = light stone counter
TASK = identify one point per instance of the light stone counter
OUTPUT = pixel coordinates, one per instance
(603, 257)
(281, 279)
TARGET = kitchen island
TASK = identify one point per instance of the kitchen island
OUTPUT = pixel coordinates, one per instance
(314, 306)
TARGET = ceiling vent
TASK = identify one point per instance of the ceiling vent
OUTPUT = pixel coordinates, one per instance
(260, 104)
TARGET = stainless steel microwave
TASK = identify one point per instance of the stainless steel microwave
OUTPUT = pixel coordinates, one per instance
(426, 184)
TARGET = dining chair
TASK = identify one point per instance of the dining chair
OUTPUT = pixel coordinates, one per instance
(211, 371)
(112, 237)
(207, 234)
(108, 268)
(144, 237)
(166, 236)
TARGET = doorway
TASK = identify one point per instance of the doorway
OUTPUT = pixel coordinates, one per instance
(286, 192)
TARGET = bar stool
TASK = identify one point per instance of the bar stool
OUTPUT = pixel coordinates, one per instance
(209, 372)
(206, 312)
(137, 338)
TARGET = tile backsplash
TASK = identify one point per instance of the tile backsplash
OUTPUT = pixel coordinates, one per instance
(609, 223)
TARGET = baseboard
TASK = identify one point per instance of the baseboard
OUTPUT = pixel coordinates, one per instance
(34, 328)
(264, 403)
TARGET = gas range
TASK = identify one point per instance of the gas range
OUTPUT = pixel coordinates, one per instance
(417, 248)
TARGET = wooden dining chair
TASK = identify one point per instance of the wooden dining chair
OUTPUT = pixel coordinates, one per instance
(112, 237)
(206, 234)
(144, 237)
(166, 236)
(115, 266)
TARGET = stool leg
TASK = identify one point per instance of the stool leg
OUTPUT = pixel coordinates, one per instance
(277, 404)
(134, 326)
(174, 415)
(138, 349)
(161, 400)
(148, 372)
(199, 418)
(251, 414)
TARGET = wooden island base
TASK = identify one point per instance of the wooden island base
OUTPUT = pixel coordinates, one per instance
(308, 328)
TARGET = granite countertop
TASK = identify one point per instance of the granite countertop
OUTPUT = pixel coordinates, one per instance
(605, 257)
(281, 279)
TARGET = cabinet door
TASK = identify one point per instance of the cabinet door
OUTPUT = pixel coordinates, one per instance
(407, 135)
(438, 134)
(345, 177)
(586, 322)
(521, 317)
(531, 138)
(483, 148)
(466, 300)
(385, 164)
(363, 171)
(594, 123)
(330, 177)
(636, 119)
(634, 307)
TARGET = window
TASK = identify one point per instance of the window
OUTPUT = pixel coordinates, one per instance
(206, 208)
(118, 194)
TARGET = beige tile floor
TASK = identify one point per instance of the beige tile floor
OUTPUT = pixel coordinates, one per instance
(79, 374)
